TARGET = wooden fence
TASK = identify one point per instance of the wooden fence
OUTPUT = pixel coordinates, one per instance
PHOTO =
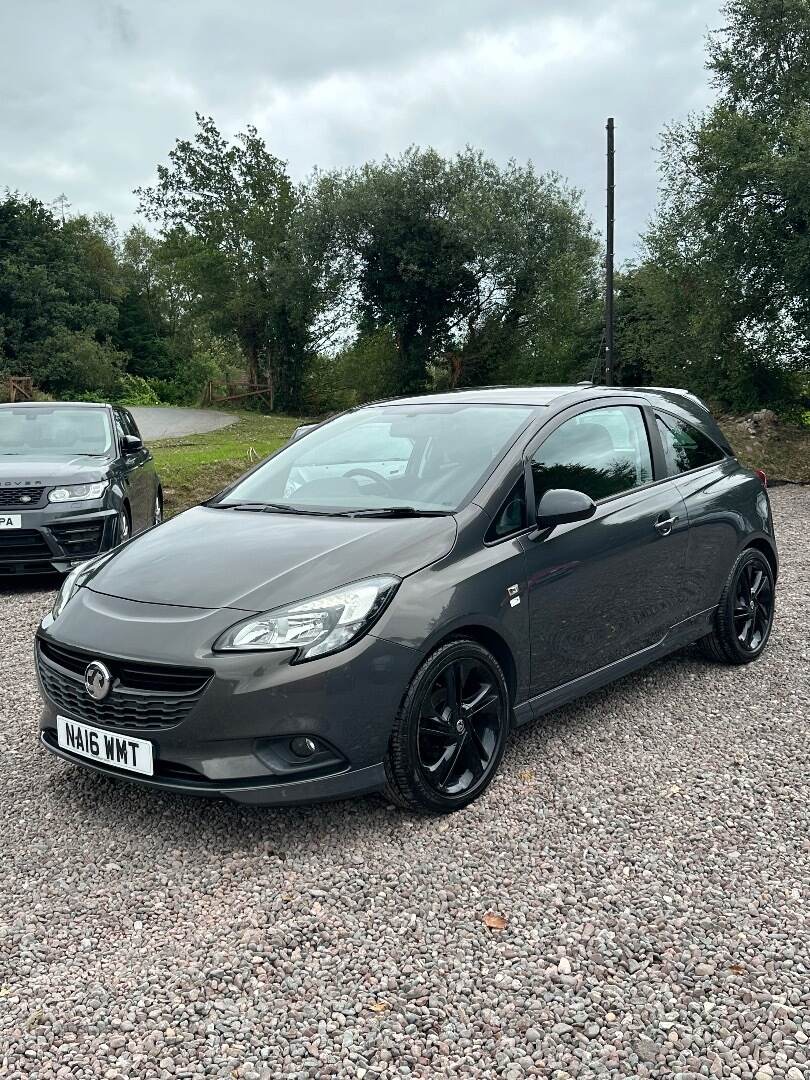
(221, 393)
(19, 388)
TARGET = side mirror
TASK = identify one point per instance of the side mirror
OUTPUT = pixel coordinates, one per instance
(561, 506)
(131, 444)
(302, 429)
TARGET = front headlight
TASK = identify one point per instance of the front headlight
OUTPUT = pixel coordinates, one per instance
(77, 492)
(315, 627)
(74, 581)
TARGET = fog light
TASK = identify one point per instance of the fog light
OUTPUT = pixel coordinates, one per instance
(301, 746)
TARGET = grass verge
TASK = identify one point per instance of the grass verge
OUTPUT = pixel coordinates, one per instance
(195, 467)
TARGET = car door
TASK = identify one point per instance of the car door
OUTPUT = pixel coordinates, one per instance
(604, 588)
(147, 473)
(134, 474)
(709, 483)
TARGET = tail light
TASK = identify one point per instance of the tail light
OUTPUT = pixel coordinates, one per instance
(761, 474)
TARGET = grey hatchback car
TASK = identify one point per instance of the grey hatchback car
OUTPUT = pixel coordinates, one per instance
(375, 606)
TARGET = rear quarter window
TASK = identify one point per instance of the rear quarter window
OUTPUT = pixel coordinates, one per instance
(685, 447)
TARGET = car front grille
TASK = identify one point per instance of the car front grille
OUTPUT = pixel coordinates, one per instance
(23, 545)
(144, 697)
(25, 497)
(77, 538)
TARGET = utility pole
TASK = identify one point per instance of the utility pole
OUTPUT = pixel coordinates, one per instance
(61, 204)
(609, 259)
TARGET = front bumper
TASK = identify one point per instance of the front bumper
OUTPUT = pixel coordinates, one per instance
(57, 537)
(230, 738)
(266, 792)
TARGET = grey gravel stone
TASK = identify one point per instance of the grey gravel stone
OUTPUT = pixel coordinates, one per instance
(649, 845)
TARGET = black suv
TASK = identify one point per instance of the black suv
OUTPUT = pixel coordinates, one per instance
(75, 480)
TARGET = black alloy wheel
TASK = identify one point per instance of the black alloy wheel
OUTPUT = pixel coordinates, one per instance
(459, 726)
(451, 732)
(745, 613)
(753, 606)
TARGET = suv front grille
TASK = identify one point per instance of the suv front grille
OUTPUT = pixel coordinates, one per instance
(143, 696)
(78, 537)
(23, 545)
(25, 497)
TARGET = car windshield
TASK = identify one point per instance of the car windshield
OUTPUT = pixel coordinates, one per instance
(387, 459)
(44, 431)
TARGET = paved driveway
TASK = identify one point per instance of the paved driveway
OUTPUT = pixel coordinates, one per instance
(648, 848)
(166, 423)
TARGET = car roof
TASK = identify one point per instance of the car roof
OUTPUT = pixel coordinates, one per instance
(487, 395)
(681, 403)
(537, 395)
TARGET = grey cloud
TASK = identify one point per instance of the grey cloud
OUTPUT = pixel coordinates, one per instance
(94, 94)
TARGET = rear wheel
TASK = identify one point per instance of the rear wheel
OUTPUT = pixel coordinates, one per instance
(744, 616)
(451, 730)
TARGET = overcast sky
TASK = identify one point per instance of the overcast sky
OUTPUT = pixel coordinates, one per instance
(93, 93)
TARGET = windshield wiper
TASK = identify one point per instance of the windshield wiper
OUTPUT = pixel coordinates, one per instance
(394, 511)
(262, 508)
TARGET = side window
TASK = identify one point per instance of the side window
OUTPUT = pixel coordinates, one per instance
(511, 517)
(132, 427)
(120, 426)
(602, 453)
(685, 447)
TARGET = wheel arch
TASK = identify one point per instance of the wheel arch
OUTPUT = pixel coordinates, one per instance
(763, 544)
(490, 639)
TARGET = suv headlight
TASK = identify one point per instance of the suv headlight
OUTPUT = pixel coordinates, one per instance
(77, 492)
(315, 627)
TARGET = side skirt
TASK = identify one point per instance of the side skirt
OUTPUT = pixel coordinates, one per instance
(683, 633)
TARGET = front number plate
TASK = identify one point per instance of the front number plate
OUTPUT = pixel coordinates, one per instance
(10, 521)
(134, 755)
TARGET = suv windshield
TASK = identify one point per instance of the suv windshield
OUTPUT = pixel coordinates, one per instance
(424, 458)
(43, 431)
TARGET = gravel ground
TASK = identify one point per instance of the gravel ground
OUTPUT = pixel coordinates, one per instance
(648, 849)
(166, 423)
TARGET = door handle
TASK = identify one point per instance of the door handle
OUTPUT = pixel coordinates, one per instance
(664, 525)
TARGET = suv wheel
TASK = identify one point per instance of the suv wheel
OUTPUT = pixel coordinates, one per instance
(450, 733)
(124, 526)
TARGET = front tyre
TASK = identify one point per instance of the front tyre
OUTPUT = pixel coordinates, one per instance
(744, 617)
(124, 525)
(450, 733)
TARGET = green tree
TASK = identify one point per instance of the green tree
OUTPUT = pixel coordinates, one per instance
(233, 217)
(727, 270)
(59, 289)
(476, 272)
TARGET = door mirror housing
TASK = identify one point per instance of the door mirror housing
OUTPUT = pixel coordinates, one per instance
(131, 444)
(561, 506)
(302, 429)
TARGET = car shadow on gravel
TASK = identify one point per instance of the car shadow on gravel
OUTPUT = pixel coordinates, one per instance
(23, 584)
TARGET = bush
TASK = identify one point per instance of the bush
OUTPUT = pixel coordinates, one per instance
(133, 390)
(364, 371)
(72, 364)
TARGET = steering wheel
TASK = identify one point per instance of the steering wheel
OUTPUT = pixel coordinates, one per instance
(369, 474)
